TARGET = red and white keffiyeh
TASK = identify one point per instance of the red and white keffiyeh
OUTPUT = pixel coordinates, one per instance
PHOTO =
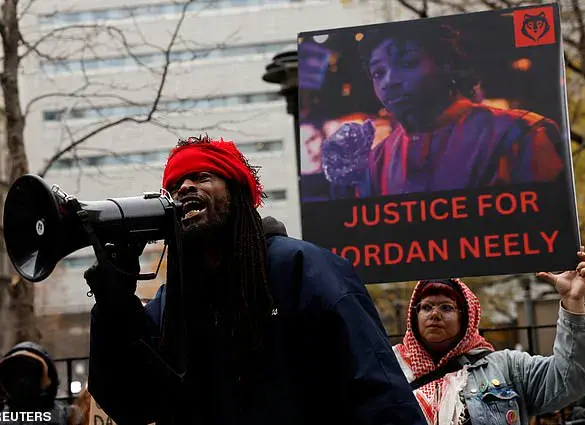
(416, 361)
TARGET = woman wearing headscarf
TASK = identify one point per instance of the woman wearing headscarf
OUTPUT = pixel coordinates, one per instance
(458, 377)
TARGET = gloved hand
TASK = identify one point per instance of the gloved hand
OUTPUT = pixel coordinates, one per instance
(111, 288)
(345, 154)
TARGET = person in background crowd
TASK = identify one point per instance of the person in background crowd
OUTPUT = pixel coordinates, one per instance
(29, 380)
(457, 376)
(83, 404)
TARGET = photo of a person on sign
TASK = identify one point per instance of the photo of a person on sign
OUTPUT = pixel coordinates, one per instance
(442, 137)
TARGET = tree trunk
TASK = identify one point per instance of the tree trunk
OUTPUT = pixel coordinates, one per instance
(20, 292)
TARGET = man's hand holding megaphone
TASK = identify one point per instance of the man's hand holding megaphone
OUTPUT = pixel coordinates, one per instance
(113, 283)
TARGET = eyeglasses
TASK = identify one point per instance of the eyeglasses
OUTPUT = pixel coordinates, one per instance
(445, 309)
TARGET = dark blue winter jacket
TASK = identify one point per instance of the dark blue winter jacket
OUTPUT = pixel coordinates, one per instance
(329, 360)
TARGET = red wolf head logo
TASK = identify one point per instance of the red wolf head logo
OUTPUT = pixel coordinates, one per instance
(535, 26)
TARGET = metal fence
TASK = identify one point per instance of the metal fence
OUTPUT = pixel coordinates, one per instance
(531, 334)
(73, 371)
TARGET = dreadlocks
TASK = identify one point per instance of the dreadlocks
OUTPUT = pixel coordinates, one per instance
(248, 286)
(246, 303)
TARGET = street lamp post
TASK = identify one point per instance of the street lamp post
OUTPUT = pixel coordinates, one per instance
(283, 70)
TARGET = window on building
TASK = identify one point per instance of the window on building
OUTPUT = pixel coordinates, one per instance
(156, 156)
(158, 59)
(78, 262)
(260, 147)
(64, 18)
(275, 195)
(52, 115)
(169, 106)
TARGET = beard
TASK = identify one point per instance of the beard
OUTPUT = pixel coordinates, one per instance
(209, 224)
(211, 229)
(204, 283)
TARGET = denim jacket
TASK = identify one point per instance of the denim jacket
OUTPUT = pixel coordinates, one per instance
(507, 387)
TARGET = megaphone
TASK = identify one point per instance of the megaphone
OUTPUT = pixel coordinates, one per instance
(43, 224)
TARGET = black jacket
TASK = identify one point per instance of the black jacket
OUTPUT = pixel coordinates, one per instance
(328, 360)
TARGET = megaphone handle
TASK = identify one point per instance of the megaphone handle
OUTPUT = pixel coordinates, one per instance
(103, 257)
(101, 254)
(99, 250)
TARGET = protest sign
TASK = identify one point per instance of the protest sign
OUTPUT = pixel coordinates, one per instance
(439, 147)
(97, 416)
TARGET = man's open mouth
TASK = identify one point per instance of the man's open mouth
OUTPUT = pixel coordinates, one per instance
(192, 208)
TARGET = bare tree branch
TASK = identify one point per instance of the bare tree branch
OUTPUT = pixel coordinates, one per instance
(451, 5)
(78, 94)
(11, 90)
(56, 33)
(74, 145)
(572, 65)
(82, 93)
(151, 112)
(26, 8)
(88, 136)
(82, 47)
(572, 43)
(579, 20)
(412, 8)
(488, 3)
(20, 292)
(167, 61)
(425, 9)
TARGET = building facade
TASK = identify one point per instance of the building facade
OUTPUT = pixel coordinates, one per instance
(99, 70)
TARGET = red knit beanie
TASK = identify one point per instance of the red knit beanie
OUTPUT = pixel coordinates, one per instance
(214, 156)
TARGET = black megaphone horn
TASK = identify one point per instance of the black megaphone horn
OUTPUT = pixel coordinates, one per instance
(42, 225)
